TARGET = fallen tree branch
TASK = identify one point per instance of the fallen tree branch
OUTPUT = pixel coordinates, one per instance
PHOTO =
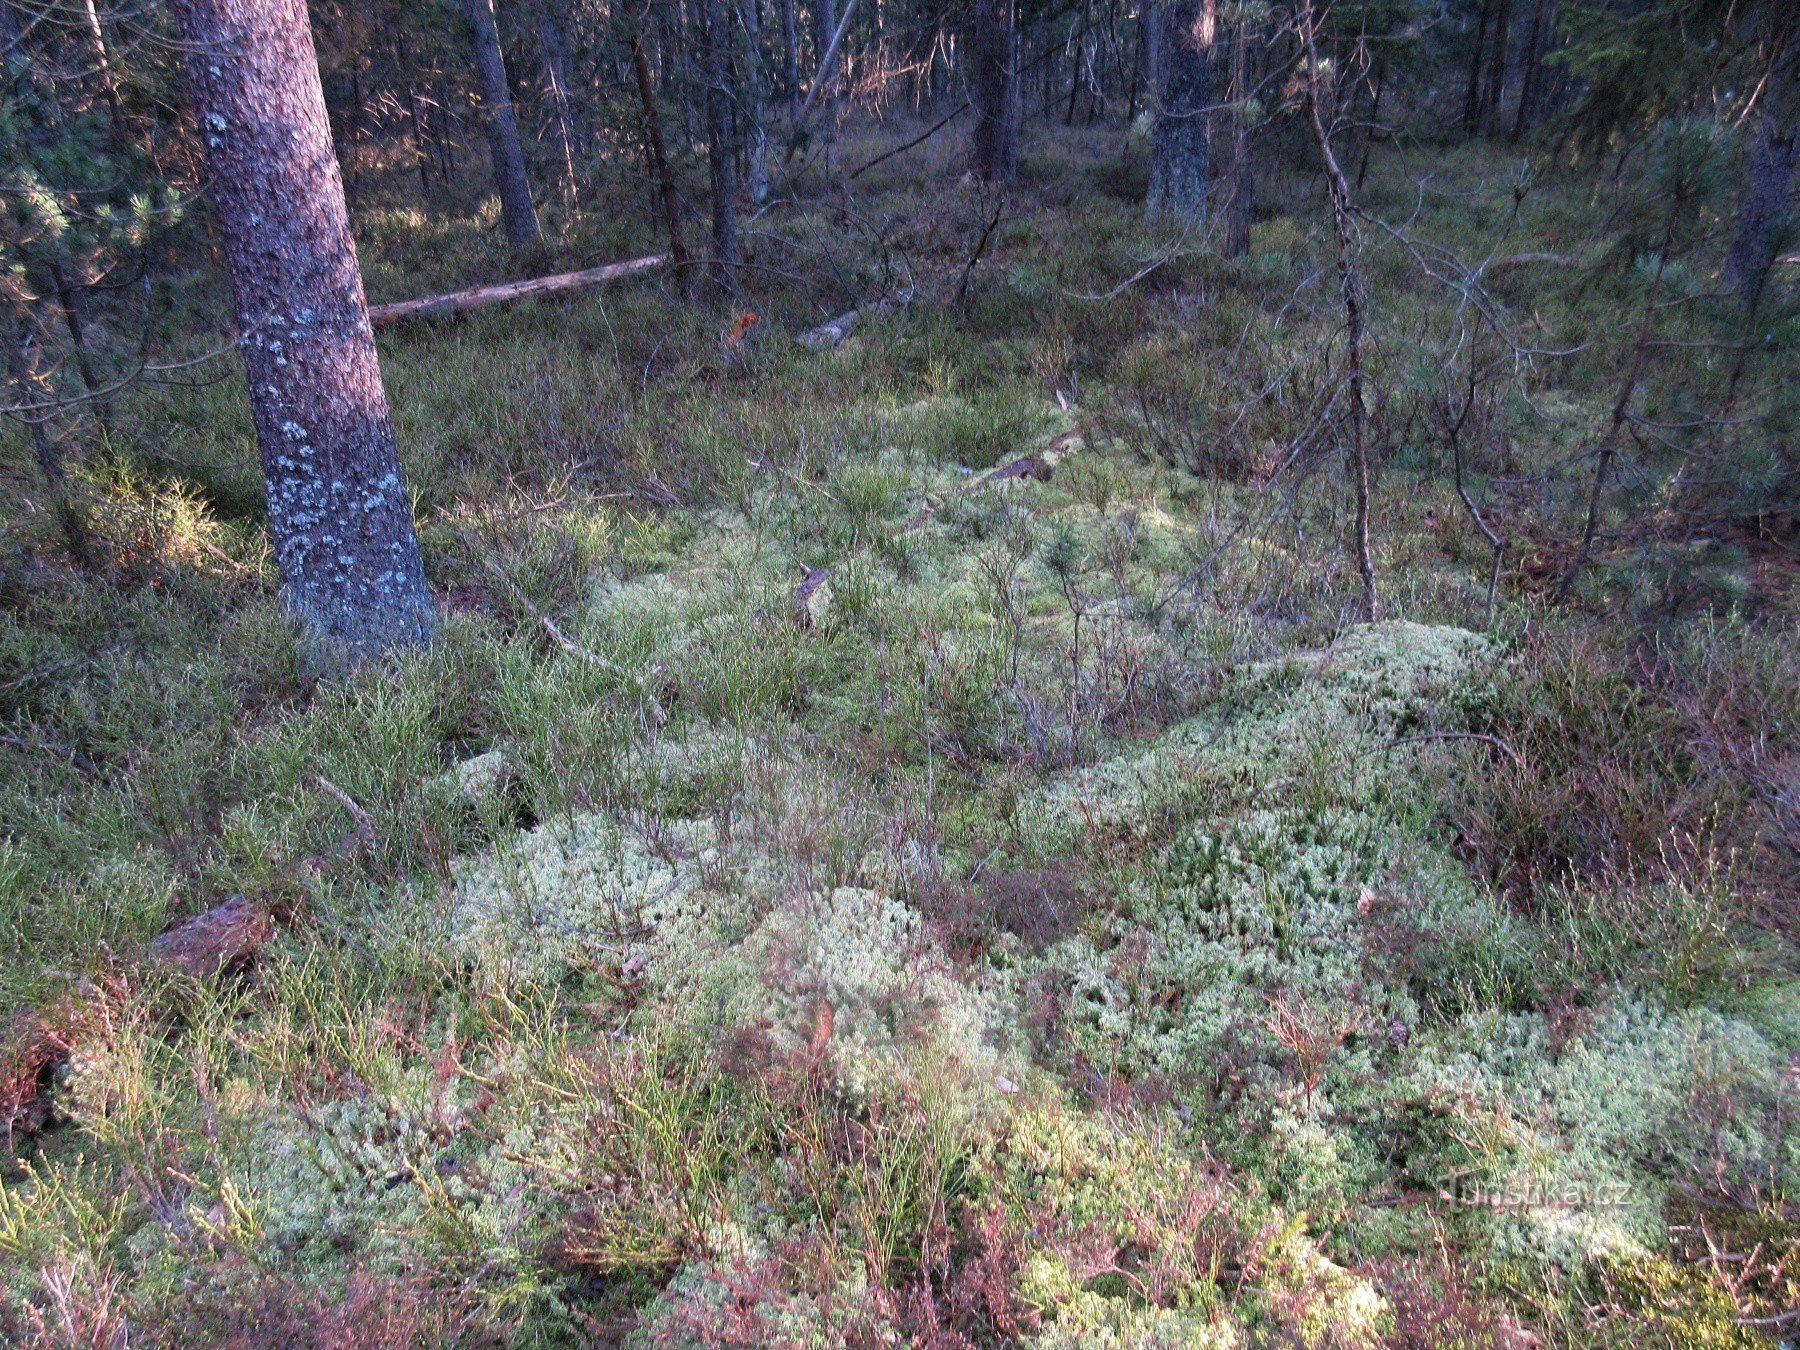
(1498, 742)
(484, 297)
(834, 331)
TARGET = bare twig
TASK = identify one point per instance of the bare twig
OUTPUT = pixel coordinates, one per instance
(363, 836)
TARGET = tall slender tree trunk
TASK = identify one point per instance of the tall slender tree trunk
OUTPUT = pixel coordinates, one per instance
(755, 105)
(1495, 93)
(1472, 95)
(1528, 77)
(1351, 293)
(555, 53)
(996, 91)
(339, 513)
(790, 60)
(414, 119)
(1241, 202)
(517, 212)
(653, 137)
(1179, 160)
(721, 152)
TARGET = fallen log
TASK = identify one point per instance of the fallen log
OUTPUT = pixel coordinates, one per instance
(482, 297)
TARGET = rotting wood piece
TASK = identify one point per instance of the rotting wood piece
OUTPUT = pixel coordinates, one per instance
(223, 938)
(484, 297)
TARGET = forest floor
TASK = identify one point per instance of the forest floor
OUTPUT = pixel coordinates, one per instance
(821, 890)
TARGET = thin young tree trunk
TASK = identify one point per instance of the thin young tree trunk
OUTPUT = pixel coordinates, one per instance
(517, 211)
(1368, 132)
(33, 395)
(1179, 161)
(1472, 96)
(721, 153)
(790, 59)
(755, 105)
(1350, 288)
(109, 79)
(556, 77)
(68, 296)
(996, 91)
(414, 124)
(339, 513)
(653, 135)
(1496, 80)
(1242, 201)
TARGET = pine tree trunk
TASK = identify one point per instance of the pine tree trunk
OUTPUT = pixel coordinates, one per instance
(339, 514)
(790, 58)
(517, 212)
(1179, 160)
(721, 152)
(653, 136)
(996, 91)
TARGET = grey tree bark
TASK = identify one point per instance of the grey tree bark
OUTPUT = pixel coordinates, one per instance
(339, 513)
(517, 211)
(996, 91)
(1179, 160)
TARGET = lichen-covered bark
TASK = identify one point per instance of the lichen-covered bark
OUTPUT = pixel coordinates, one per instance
(517, 211)
(1179, 163)
(339, 512)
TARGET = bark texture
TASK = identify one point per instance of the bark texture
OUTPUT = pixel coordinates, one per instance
(517, 211)
(1179, 160)
(996, 91)
(339, 513)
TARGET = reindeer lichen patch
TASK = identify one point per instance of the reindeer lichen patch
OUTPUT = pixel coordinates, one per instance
(572, 895)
